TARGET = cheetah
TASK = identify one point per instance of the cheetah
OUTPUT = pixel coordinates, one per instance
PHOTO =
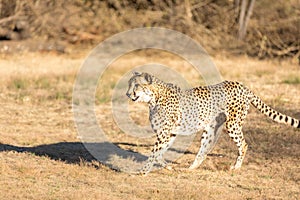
(173, 111)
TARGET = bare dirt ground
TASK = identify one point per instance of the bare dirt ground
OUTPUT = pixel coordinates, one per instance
(41, 156)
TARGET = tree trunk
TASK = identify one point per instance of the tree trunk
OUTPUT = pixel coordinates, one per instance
(244, 21)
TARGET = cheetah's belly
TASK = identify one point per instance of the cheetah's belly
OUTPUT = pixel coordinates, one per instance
(188, 124)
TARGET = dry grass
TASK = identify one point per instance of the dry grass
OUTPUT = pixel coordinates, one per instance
(42, 158)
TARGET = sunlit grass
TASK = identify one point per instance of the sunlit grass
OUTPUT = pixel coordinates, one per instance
(292, 80)
(42, 88)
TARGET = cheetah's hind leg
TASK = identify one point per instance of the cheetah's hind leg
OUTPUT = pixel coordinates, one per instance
(240, 142)
(234, 129)
(209, 139)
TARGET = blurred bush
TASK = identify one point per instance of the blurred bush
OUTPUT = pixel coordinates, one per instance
(273, 29)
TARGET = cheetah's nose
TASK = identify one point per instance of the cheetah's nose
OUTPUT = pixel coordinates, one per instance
(127, 94)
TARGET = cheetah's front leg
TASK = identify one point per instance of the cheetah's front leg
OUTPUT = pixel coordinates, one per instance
(161, 146)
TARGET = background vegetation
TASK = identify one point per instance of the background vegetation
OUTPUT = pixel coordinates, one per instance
(273, 29)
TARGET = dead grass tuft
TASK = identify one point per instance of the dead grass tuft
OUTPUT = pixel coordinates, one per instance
(42, 158)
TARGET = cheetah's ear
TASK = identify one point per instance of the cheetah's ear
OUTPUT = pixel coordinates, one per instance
(148, 78)
(136, 73)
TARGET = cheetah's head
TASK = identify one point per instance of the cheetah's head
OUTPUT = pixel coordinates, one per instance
(138, 87)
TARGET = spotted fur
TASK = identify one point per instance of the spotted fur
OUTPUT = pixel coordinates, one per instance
(183, 112)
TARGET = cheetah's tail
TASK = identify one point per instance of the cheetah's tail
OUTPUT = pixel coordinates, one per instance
(273, 114)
